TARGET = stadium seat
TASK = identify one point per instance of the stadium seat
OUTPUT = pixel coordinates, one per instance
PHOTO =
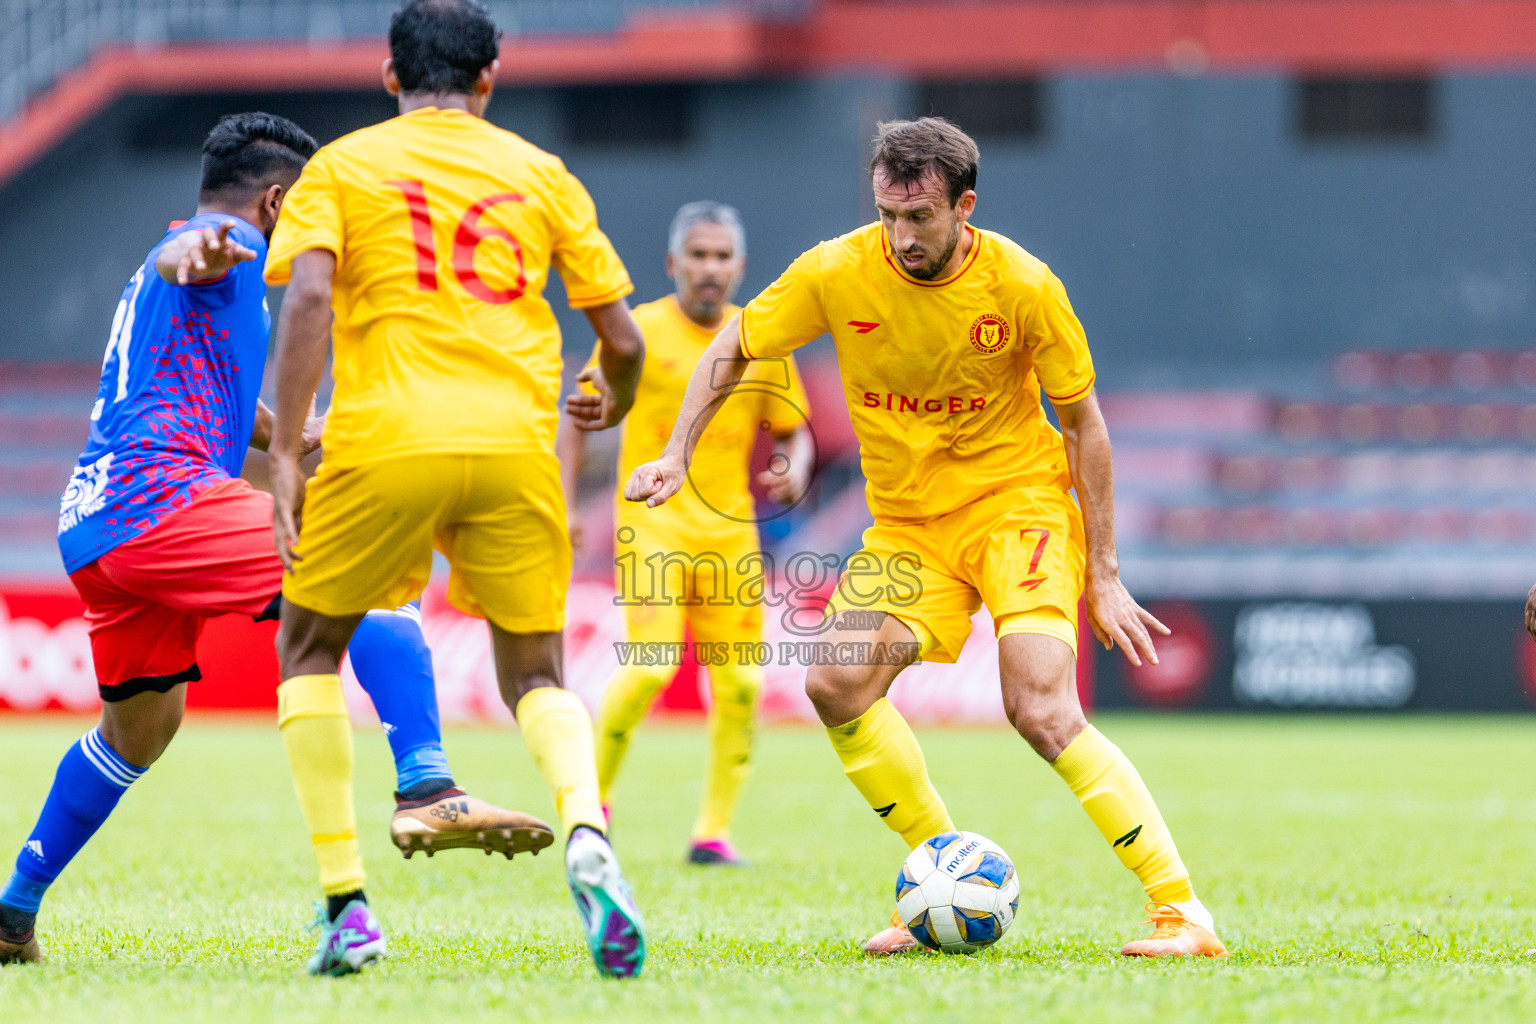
(1405, 451)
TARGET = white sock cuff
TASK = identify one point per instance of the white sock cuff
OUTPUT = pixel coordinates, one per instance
(1195, 911)
(108, 761)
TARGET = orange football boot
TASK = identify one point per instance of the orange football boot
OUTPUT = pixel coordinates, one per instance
(454, 820)
(895, 939)
(1173, 934)
(19, 949)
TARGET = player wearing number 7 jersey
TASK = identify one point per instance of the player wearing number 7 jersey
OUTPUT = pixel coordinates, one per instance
(946, 334)
(431, 237)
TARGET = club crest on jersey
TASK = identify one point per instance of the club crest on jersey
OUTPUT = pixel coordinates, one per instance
(989, 333)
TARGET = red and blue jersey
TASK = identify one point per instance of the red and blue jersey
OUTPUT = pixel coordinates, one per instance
(177, 401)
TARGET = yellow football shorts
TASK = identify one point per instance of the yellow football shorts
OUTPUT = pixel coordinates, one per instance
(1020, 552)
(367, 536)
(666, 580)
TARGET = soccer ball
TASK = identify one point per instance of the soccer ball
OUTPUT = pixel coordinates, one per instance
(957, 892)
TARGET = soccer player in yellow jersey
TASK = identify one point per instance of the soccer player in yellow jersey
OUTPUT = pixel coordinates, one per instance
(946, 334)
(431, 237)
(673, 563)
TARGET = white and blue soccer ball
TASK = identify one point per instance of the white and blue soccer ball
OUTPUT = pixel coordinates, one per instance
(957, 892)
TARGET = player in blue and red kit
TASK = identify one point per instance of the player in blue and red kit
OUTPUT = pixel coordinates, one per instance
(159, 533)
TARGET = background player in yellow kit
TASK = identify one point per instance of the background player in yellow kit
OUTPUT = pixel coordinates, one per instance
(709, 529)
(946, 334)
(432, 236)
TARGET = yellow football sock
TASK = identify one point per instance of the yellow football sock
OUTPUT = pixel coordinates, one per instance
(734, 690)
(1117, 801)
(626, 699)
(558, 732)
(312, 715)
(882, 759)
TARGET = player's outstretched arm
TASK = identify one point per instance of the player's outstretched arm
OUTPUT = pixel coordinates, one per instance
(303, 337)
(201, 254)
(1530, 613)
(620, 355)
(1115, 616)
(719, 369)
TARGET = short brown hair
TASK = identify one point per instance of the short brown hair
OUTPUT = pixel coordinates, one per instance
(908, 151)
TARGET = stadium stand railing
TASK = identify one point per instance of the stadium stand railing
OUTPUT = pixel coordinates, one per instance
(43, 408)
(40, 40)
(1415, 473)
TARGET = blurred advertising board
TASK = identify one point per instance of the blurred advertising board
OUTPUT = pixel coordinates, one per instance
(45, 661)
(1224, 655)
(45, 656)
(1318, 655)
(966, 692)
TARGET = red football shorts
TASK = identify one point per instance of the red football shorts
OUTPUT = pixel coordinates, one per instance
(146, 600)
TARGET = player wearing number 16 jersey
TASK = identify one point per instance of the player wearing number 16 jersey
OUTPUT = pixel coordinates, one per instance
(159, 533)
(946, 335)
(431, 237)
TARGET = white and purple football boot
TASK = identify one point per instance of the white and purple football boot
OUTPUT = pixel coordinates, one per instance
(349, 943)
(615, 933)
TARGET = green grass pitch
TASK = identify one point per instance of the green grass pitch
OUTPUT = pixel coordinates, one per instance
(1360, 869)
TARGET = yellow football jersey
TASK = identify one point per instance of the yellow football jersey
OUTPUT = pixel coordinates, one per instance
(943, 378)
(770, 397)
(444, 229)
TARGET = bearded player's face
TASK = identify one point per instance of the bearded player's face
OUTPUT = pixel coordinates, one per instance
(921, 224)
(707, 271)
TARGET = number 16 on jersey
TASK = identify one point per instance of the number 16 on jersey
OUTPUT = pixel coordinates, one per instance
(467, 236)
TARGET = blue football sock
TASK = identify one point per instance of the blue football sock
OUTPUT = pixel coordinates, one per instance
(91, 778)
(394, 666)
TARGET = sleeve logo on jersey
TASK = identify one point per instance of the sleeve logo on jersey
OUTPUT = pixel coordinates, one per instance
(989, 333)
(84, 495)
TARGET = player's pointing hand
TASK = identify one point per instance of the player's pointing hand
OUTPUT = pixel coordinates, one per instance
(211, 253)
(201, 255)
(655, 482)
